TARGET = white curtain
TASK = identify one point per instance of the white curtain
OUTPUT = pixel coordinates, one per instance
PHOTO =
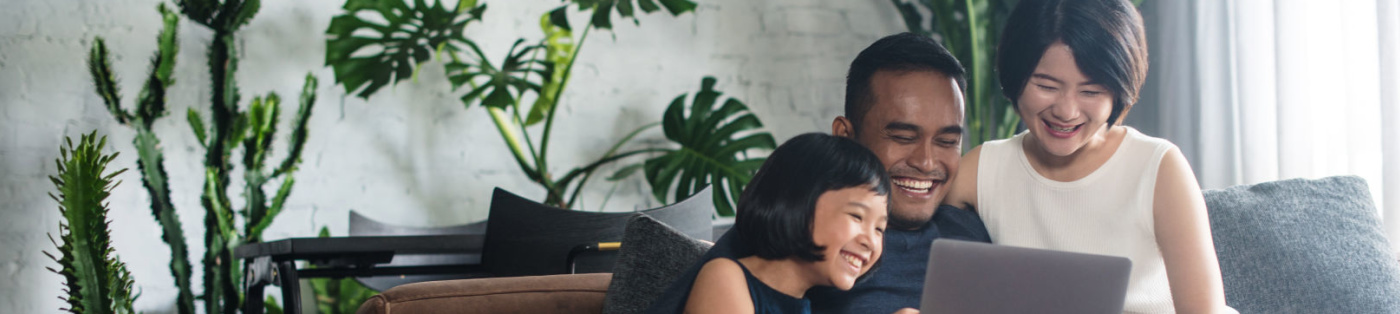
(1258, 90)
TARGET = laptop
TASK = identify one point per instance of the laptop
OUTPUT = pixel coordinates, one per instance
(973, 277)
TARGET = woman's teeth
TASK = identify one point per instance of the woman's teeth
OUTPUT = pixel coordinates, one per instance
(1059, 129)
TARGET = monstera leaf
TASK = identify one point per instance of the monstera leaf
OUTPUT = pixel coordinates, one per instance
(714, 145)
(602, 10)
(495, 83)
(559, 47)
(370, 53)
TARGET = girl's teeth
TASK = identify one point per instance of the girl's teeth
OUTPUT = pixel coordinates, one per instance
(853, 261)
(1053, 127)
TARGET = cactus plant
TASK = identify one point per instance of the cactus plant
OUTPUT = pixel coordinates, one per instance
(97, 281)
(150, 105)
(253, 130)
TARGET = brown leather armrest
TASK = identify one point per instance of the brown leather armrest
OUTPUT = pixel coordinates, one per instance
(578, 293)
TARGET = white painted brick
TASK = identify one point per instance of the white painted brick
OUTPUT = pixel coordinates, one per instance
(813, 21)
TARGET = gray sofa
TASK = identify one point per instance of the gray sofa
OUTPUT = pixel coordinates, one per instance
(1291, 246)
(1303, 246)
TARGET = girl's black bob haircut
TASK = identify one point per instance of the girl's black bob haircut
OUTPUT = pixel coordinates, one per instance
(775, 211)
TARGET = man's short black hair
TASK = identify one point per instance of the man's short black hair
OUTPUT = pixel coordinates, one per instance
(775, 212)
(1106, 37)
(900, 53)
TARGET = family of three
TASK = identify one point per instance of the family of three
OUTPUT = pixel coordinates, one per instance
(842, 223)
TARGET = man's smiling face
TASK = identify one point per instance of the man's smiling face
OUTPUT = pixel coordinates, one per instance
(914, 124)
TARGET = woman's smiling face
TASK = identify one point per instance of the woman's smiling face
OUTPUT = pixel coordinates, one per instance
(1063, 109)
(850, 225)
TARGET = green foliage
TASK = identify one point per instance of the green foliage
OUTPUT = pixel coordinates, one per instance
(540, 68)
(714, 145)
(559, 50)
(225, 15)
(150, 105)
(602, 9)
(495, 90)
(398, 46)
(96, 281)
(254, 129)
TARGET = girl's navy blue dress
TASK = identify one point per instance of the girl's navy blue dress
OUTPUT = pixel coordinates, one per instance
(769, 301)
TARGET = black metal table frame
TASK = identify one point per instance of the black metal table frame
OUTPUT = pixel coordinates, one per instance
(339, 257)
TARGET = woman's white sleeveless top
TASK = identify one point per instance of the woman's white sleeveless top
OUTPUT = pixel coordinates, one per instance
(1108, 212)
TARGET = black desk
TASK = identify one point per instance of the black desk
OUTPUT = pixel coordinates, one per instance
(275, 262)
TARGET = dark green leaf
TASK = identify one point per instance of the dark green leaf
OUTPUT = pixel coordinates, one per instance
(560, 18)
(676, 7)
(367, 55)
(602, 9)
(501, 86)
(712, 151)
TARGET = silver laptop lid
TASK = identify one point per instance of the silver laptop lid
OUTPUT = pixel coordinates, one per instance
(972, 277)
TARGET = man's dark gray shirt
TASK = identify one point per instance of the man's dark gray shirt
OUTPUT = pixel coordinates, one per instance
(896, 282)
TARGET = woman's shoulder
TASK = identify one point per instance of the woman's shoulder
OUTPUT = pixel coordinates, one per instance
(1137, 138)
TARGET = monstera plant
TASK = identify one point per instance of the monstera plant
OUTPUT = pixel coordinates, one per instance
(374, 43)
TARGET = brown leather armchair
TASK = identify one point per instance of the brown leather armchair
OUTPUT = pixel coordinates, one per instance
(575, 293)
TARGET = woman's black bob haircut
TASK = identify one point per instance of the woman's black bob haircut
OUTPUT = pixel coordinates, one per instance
(1106, 37)
(776, 208)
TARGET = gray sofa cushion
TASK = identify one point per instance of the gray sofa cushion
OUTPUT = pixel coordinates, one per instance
(653, 254)
(1303, 246)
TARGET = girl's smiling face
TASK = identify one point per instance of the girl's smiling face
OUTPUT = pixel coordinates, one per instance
(1063, 108)
(850, 225)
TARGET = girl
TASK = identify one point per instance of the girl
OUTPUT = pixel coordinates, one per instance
(1079, 181)
(813, 215)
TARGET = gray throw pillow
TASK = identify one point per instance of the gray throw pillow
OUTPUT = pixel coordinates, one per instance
(652, 256)
(1303, 246)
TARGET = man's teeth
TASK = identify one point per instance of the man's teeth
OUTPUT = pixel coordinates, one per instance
(913, 184)
(854, 261)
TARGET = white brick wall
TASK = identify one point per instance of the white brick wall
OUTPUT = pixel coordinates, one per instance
(410, 155)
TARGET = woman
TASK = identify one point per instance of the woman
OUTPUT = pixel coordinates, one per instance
(1077, 180)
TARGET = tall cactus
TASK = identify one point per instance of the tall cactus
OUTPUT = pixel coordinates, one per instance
(254, 129)
(150, 105)
(97, 282)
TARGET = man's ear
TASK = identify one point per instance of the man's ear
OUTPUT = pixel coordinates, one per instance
(842, 127)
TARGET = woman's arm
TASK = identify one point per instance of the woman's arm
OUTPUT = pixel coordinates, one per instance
(720, 288)
(1182, 227)
(962, 192)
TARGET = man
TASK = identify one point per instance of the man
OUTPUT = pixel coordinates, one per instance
(904, 102)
